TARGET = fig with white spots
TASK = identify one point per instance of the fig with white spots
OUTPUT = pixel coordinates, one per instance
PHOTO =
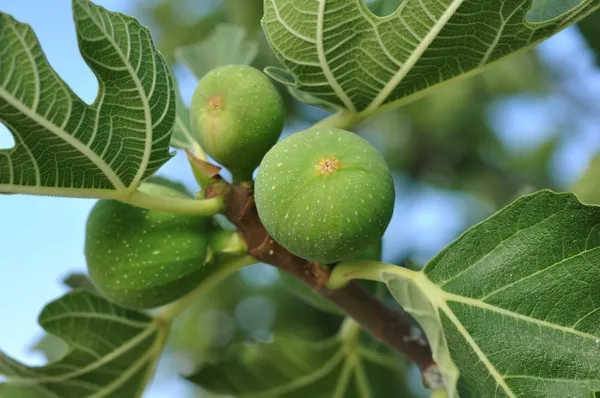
(141, 258)
(324, 194)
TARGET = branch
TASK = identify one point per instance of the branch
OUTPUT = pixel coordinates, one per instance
(383, 323)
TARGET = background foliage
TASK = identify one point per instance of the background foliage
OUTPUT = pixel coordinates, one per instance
(458, 155)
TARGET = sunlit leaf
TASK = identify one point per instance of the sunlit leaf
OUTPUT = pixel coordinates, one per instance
(65, 147)
(515, 301)
(112, 352)
(341, 53)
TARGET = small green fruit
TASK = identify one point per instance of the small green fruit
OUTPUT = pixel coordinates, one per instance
(324, 194)
(237, 115)
(141, 258)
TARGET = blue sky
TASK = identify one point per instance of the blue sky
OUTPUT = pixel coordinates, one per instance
(41, 239)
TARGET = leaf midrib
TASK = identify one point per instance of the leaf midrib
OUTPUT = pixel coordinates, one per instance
(445, 296)
(414, 57)
(106, 317)
(145, 100)
(94, 365)
(323, 60)
(114, 179)
(439, 300)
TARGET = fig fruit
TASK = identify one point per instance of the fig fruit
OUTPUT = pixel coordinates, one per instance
(142, 258)
(324, 194)
(237, 115)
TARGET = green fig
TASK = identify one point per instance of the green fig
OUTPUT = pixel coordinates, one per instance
(325, 194)
(141, 258)
(237, 115)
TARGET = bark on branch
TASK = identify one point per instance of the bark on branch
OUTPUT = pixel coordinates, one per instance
(380, 321)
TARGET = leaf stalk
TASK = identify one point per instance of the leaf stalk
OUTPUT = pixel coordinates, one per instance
(205, 207)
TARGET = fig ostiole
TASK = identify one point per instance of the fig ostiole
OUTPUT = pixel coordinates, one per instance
(141, 258)
(324, 194)
(237, 115)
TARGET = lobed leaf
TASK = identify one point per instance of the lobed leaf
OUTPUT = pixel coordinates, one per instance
(65, 147)
(515, 301)
(112, 352)
(339, 53)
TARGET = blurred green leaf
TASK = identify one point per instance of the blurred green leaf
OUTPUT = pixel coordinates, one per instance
(112, 352)
(289, 367)
(79, 280)
(251, 303)
(182, 137)
(245, 13)
(51, 347)
(226, 45)
(164, 17)
(590, 29)
(588, 186)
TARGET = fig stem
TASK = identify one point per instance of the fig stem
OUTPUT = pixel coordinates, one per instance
(383, 323)
(241, 176)
(346, 271)
(206, 207)
(168, 313)
(341, 120)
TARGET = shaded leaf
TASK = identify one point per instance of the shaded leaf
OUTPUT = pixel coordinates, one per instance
(289, 367)
(112, 352)
(51, 347)
(588, 186)
(226, 45)
(590, 29)
(182, 137)
(343, 54)
(79, 280)
(515, 300)
(65, 147)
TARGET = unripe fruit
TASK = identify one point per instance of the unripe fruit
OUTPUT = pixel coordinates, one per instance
(142, 258)
(324, 194)
(237, 115)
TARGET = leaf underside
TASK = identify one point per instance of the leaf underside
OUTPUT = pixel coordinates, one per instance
(112, 352)
(290, 367)
(517, 300)
(65, 147)
(339, 54)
